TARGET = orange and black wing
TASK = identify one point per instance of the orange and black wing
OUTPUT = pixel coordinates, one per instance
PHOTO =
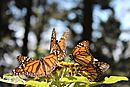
(94, 71)
(58, 48)
(33, 69)
(81, 48)
(81, 54)
(54, 47)
(90, 72)
(36, 68)
(53, 42)
(18, 70)
(101, 66)
(49, 63)
(24, 60)
(62, 41)
(62, 45)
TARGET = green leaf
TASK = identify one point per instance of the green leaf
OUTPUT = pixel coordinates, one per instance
(8, 78)
(114, 79)
(75, 79)
(37, 84)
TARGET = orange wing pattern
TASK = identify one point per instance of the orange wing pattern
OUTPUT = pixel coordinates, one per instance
(62, 45)
(37, 68)
(49, 63)
(53, 42)
(93, 71)
(81, 54)
(24, 60)
(18, 70)
(58, 48)
(33, 69)
(62, 42)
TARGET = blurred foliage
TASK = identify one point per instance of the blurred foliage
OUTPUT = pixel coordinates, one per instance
(107, 46)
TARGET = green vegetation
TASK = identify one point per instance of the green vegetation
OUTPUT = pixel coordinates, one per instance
(74, 81)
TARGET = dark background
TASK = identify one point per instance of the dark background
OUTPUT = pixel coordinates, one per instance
(26, 25)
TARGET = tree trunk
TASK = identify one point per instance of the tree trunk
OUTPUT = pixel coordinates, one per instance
(27, 27)
(87, 20)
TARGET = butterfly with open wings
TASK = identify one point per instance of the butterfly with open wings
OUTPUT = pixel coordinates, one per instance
(45, 65)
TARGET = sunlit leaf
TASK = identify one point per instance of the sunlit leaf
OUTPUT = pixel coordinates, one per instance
(114, 79)
(7, 78)
(75, 79)
(37, 84)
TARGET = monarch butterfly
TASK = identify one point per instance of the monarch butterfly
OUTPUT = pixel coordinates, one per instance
(81, 54)
(93, 71)
(46, 64)
(42, 67)
(61, 45)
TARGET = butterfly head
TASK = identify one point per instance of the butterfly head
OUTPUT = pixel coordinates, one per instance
(71, 57)
(23, 59)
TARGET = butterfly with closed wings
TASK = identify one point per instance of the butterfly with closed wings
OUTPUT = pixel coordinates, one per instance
(90, 67)
(81, 54)
(60, 45)
(93, 71)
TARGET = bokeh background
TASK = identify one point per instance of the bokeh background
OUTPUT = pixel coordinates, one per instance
(26, 26)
